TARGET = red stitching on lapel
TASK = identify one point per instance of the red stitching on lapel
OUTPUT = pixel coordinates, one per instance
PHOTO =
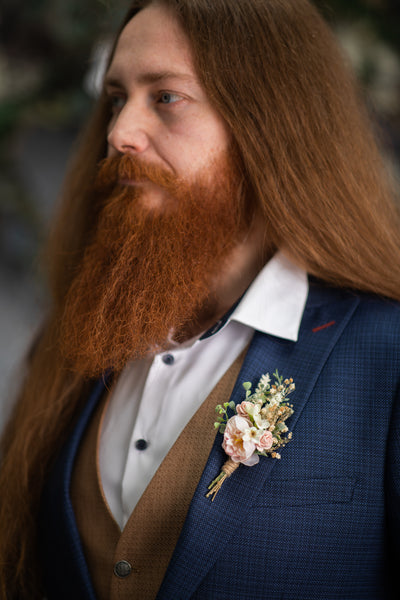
(323, 326)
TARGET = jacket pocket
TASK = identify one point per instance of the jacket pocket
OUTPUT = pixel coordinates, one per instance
(306, 492)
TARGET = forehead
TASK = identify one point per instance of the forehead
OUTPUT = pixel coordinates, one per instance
(152, 41)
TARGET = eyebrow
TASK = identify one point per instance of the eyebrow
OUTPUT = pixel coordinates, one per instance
(150, 77)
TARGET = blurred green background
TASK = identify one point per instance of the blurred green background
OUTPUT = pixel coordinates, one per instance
(48, 53)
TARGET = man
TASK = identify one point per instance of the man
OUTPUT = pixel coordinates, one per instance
(237, 159)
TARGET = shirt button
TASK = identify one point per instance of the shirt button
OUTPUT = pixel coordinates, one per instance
(141, 444)
(122, 568)
(168, 359)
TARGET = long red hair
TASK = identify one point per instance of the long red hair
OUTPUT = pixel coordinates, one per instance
(274, 72)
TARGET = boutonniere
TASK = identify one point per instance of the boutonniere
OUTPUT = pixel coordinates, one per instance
(258, 427)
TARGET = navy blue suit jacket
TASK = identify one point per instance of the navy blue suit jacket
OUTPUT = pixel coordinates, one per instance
(321, 523)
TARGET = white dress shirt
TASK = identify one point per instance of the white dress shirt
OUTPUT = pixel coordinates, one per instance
(155, 398)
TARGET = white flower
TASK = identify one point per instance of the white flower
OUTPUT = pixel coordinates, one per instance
(253, 410)
(260, 422)
(251, 434)
(264, 382)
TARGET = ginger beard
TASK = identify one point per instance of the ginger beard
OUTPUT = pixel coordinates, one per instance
(148, 273)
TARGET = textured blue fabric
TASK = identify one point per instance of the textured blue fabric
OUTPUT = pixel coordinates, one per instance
(66, 576)
(323, 522)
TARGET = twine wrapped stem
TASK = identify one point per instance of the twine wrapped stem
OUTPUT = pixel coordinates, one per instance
(228, 468)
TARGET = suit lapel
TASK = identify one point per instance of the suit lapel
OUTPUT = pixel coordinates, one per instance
(210, 525)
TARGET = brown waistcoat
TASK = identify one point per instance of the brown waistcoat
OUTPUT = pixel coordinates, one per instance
(150, 535)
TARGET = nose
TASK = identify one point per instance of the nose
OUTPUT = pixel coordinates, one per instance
(128, 132)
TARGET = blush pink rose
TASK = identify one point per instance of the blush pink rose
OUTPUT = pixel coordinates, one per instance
(234, 445)
(265, 441)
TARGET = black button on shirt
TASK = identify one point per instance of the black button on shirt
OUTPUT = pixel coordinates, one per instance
(141, 444)
(168, 359)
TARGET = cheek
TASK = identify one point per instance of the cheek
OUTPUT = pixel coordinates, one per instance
(193, 147)
(214, 134)
(220, 136)
(111, 151)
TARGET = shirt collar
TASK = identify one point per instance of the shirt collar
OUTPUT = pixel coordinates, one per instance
(275, 301)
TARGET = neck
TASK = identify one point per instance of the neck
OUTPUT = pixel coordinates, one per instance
(238, 271)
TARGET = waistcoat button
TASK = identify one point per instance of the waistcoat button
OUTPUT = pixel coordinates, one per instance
(122, 568)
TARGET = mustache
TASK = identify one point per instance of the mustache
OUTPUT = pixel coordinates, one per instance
(116, 170)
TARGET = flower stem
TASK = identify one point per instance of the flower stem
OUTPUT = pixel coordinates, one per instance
(226, 471)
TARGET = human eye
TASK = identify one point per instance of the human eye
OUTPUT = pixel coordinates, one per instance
(168, 98)
(116, 102)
